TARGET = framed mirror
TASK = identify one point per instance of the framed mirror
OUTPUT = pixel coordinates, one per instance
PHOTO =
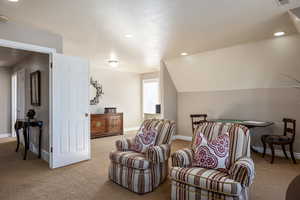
(96, 91)
(35, 88)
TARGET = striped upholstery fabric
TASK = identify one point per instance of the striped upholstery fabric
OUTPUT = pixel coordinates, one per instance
(130, 159)
(243, 171)
(189, 183)
(124, 144)
(208, 179)
(182, 158)
(142, 173)
(185, 191)
(158, 154)
(239, 137)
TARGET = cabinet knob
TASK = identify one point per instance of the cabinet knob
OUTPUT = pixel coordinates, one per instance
(86, 114)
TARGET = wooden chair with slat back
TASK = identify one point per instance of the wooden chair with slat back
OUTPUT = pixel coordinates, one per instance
(197, 119)
(287, 138)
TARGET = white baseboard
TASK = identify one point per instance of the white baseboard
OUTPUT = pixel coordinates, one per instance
(5, 135)
(45, 154)
(131, 129)
(182, 137)
(278, 152)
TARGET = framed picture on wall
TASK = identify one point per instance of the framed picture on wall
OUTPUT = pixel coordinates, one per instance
(35, 88)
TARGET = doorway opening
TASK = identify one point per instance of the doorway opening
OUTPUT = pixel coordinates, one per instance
(63, 110)
(16, 68)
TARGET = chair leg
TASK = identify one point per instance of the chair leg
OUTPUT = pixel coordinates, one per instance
(273, 153)
(283, 149)
(292, 153)
(264, 145)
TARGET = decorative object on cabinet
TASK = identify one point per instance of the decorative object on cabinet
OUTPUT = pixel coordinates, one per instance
(108, 124)
(98, 93)
(30, 114)
(35, 88)
(110, 110)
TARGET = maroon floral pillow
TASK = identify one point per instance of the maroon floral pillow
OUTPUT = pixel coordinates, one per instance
(213, 154)
(144, 139)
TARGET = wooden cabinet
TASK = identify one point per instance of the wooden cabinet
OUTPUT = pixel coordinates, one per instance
(109, 124)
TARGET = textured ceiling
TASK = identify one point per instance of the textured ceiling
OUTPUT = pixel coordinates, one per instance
(161, 29)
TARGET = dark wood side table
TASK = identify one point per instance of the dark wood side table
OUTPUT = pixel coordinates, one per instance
(25, 125)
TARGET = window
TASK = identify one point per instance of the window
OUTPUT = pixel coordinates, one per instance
(150, 95)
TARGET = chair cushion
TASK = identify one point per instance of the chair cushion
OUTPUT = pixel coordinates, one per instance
(207, 179)
(130, 159)
(277, 138)
(212, 154)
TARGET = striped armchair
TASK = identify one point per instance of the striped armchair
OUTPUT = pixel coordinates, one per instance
(138, 172)
(195, 183)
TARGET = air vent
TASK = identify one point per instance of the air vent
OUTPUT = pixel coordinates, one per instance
(282, 2)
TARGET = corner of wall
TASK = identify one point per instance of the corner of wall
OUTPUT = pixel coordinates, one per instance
(168, 94)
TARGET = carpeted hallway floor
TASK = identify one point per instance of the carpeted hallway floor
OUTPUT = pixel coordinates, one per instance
(33, 180)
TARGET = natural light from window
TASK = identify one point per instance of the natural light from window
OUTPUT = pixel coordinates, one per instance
(150, 95)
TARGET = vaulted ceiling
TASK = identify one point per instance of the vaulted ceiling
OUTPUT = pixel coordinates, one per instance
(160, 29)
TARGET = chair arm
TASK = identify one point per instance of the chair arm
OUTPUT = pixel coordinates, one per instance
(243, 171)
(158, 154)
(182, 158)
(124, 144)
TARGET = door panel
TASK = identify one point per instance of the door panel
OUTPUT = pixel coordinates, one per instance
(70, 111)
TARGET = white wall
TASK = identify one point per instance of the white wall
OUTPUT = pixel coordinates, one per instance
(168, 94)
(240, 82)
(5, 102)
(121, 90)
(295, 17)
(246, 66)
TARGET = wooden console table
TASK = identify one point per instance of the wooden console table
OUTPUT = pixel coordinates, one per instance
(25, 125)
(109, 124)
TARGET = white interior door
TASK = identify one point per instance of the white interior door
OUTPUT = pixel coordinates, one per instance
(70, 111)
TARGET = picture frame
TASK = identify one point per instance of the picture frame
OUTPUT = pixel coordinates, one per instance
(35, 88)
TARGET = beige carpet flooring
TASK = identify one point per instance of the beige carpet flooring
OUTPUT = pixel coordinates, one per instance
(33, 180)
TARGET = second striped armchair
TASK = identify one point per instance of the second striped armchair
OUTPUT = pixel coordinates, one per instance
(196, 183)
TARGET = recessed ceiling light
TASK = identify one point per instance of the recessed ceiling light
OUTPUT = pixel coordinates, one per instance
(113, 62)
(128, 36)
(184, 54)
(13, 0)
(277, 34)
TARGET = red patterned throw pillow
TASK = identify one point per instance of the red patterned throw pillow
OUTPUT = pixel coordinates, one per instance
(144, 139)
(213, 154)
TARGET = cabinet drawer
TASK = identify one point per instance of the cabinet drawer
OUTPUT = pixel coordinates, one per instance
(115, 124)
(98, 125)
